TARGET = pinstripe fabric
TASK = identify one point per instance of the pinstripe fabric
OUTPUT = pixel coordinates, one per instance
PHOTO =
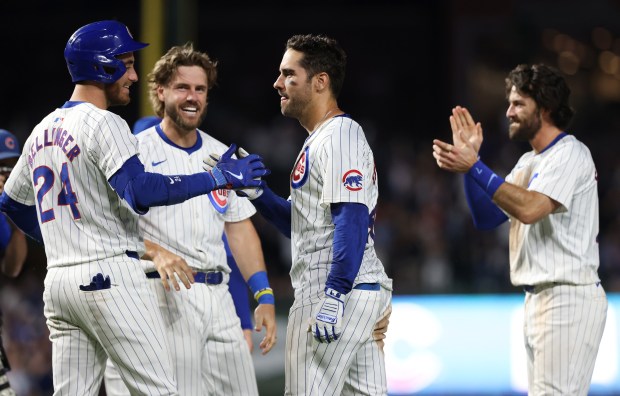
(565, 313)
(335, 148)
(561, 247)
(353, 364)
(563, 329)
(210, 354)
(122, 322)
(106, 226)
(192, 229)
(75, 150)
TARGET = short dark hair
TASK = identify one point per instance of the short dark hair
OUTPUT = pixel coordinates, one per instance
(547, 87)
(321, 54)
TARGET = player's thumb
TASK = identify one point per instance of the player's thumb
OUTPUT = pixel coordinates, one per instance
(231, 150)
(258, 319)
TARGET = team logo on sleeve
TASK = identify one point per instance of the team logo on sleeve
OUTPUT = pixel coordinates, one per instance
(352, 180)
(301, 171)
(219, 199)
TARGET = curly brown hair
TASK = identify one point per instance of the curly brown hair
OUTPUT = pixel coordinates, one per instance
(167, 65)
(547, 87)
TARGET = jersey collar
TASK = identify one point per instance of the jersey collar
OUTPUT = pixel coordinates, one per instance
(188, 150)
(69, 104)
(553, 142)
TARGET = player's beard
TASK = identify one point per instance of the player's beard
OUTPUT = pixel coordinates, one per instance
(116, 94)
(175, 115)
(527, 128)
(297, 104)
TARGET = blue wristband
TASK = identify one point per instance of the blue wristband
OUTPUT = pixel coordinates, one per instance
(259, 284)
(486, 178)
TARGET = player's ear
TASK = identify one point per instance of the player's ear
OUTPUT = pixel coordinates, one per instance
(160, 92)
(321, 81)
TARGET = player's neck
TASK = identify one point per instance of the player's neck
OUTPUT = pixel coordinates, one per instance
(180, 137)
(320, 116)
(91, 93)
(544, 137)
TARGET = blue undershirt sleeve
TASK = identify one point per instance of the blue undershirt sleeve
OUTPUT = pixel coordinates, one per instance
(486, 214)
(275, 209)
(350, 237)
(143, 189)
(238, 290)
(5, 232)
(24, 216)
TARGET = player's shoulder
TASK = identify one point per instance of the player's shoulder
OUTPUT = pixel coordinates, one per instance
(570, 147)
(211, 144)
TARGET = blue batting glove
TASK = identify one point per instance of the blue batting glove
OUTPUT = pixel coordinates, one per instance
(231, 173)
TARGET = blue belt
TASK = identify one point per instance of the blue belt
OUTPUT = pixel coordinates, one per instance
(132, 254)
(368, 286)
(538, 288)
(210, 278)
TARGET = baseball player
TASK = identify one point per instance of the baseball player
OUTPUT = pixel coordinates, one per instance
(551, 200)
(79, 186)
(236, 284)
(209, 349)
(341, 289)
(13, 246)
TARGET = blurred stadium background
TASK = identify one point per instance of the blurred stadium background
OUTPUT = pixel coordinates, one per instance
(410, 62)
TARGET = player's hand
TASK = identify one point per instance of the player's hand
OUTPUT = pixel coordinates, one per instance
(2, 180)
(236, 174)
(464, 128)
(247, 334)
(170, 266)
(251, 192)
(380, 329)
(265, 315)
(326, 322)
(455, 159)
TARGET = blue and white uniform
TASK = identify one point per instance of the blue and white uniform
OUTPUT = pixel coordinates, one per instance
(209, 350)
(335, 165)
(87, 230)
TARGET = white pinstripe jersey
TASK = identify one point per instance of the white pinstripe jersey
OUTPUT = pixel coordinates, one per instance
(335, 165)
(563, 246)
(64, 170)
(192, 229)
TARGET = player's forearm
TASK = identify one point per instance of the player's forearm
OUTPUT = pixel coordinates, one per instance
(23, 216)
(525, 205)
(246, 247)
(275, 209)
(15, 254)
(350, 236)
(142, 190)
(485, 213)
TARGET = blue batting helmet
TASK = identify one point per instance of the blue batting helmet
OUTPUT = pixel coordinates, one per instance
(91, 51)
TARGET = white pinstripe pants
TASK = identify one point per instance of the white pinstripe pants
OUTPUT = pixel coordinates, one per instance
(563, 327)
(352, 365)
(122, 323)
(210, 354)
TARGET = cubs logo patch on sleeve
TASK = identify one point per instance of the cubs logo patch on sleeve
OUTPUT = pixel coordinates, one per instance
(352, 180)
(301, 171)
(219, 199)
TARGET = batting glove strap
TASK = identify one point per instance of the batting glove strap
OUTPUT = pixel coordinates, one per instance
(220, 179)
(326, 323)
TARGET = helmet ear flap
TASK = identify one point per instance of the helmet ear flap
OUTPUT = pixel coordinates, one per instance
(109, 70)
(92, 50)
